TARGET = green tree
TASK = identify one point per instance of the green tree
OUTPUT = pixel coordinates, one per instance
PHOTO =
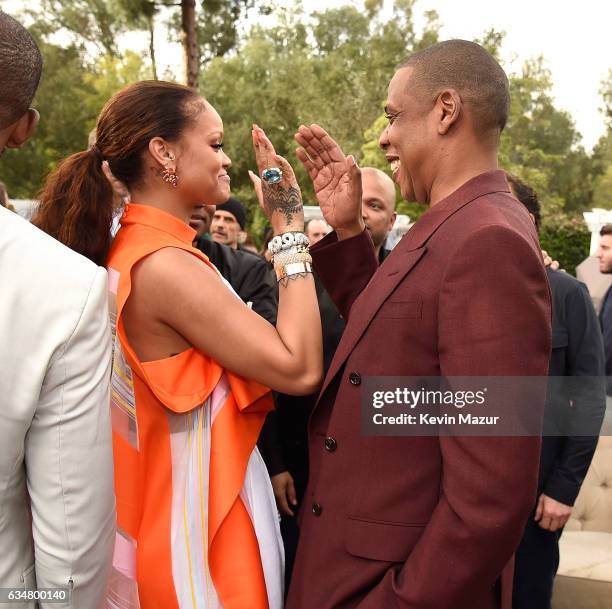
(606, 94)
(141, 15)
(332, 68)
(92, 21)
(65, 120)
(540, 143)
(602, 152)
(69, 99)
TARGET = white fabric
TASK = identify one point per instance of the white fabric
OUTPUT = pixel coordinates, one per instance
(190, 438)
(55, 434)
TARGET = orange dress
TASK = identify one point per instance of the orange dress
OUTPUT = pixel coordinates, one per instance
(197, 524)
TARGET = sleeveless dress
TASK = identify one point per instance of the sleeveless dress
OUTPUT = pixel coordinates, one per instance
(197, 522)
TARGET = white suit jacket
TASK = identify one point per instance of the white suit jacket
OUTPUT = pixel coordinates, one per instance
(57, 507)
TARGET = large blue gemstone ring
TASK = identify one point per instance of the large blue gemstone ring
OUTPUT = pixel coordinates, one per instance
(272, 175)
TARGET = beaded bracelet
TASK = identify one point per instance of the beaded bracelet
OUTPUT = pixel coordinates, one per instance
(294, 249)
(290, 256)
(287, 240)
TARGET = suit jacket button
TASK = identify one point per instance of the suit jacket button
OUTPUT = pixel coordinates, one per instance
(317, 509)
(330, 444)
(355, 378)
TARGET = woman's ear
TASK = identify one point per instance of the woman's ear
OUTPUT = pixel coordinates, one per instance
(160, 151)
(23, 129)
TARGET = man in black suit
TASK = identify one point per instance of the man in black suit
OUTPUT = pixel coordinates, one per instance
(577, 351)
(249, 274)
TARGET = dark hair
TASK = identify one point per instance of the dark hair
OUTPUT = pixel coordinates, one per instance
(76, 204)
(20, 70)
(527, 196)
(605, 230)
(469, 69)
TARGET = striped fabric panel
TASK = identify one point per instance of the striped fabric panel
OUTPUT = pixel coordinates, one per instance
(123, 403)
(190, 445)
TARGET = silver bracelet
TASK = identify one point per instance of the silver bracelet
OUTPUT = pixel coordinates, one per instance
(295, 268)
(286, 241)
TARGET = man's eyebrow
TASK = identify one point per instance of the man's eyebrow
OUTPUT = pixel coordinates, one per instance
(389, 109)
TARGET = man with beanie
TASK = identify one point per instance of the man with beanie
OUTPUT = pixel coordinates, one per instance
(228, 222)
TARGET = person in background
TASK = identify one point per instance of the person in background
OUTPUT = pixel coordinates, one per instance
(248, 273)
(228, 223)
(604, 254)
(248, 245)
(268, 233)
(200, 220)
(567, 450)
(378, 207)
(316, 229)
(57, 507)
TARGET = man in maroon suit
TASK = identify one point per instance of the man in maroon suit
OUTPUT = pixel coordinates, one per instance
(424, 522)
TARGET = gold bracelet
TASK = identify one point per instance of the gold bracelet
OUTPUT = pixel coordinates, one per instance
(284, 258)
(295, 268)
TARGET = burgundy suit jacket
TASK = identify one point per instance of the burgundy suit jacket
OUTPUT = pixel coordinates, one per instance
(425, 522)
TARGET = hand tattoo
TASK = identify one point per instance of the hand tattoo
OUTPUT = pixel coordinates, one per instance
(287, 201)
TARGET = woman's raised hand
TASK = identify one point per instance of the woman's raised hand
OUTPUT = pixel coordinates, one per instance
(335, 177)
(282, 202)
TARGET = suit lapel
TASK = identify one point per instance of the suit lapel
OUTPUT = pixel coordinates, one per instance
(383, 282)
(403, 258)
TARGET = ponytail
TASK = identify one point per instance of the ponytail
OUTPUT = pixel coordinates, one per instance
(76, 206)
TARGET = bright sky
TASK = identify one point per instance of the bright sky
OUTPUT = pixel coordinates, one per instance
(575, 39)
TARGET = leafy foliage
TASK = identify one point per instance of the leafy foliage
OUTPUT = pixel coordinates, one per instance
(567, 240)
(331, 67)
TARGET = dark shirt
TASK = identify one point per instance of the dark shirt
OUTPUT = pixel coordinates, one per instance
(577, 351)
(249, 274)
(605, 319)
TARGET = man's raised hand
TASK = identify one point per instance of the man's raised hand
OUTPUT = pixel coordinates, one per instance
(335, 177)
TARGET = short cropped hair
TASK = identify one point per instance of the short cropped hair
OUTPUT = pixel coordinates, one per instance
(20, 70)
(527, 196)
(605, 230)
(469, 69)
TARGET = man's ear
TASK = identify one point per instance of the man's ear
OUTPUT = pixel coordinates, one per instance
(23, 129)
(449, 109)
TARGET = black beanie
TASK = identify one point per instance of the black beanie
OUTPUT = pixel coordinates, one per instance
(234, 207)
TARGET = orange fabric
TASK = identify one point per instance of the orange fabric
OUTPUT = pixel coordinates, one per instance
(144, 473)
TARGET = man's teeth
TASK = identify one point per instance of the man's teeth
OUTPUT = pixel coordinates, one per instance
(395, 165)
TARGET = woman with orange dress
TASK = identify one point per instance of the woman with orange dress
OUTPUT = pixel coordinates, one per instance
(192, 364)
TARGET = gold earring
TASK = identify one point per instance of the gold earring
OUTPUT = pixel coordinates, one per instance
(170, 176)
